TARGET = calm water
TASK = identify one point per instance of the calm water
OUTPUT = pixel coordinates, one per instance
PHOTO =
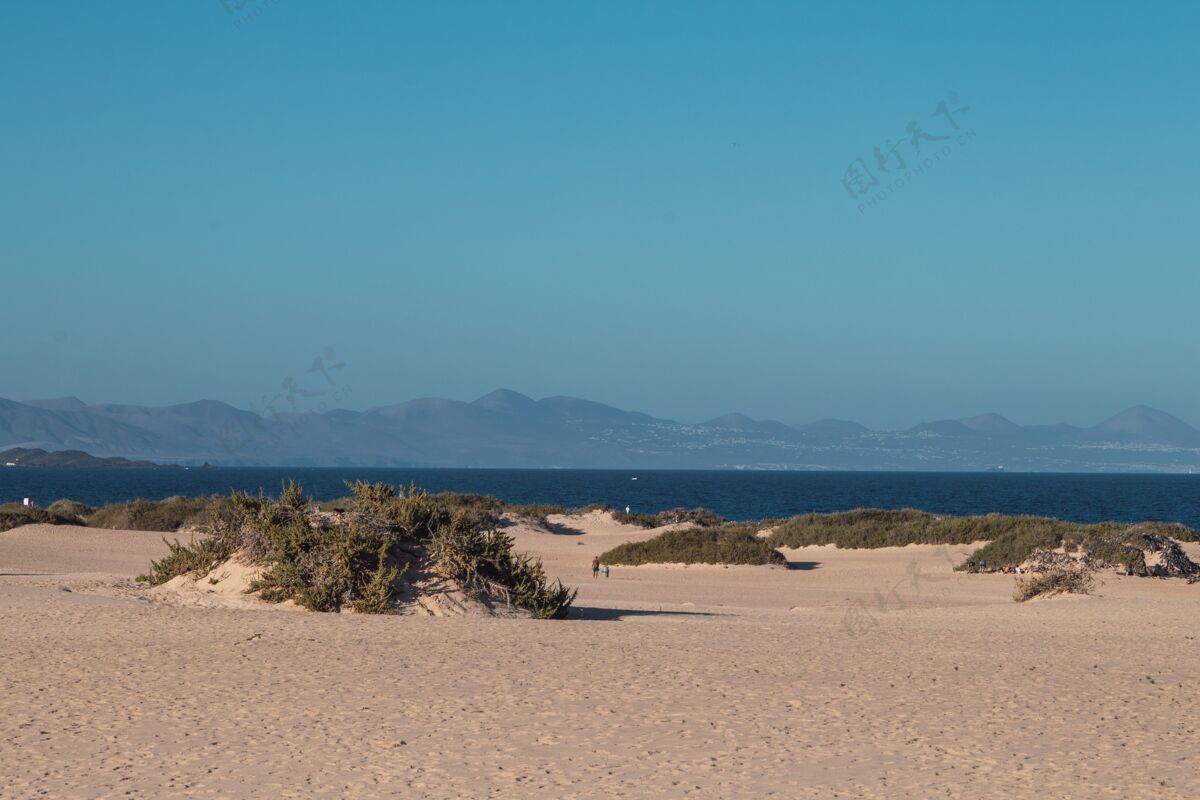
(737, 495)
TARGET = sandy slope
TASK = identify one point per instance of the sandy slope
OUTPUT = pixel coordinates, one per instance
(874, 674)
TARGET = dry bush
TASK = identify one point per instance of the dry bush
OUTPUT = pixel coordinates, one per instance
(1056, 581)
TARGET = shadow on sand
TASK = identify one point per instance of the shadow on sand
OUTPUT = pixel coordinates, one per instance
(562, 530)
(804, 565)
(616, 614)
(556, 528)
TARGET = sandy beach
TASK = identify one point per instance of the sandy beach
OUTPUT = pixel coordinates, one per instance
(852, 674)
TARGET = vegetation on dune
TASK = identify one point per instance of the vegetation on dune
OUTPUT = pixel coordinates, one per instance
(726, 544)
(481, 559)
(321, 558)
(536, 512)
(196, 558)
(338, 504)
(1107, 544)
(195, 513)
(357, 558)
(700, 517)
(171, 514)
(1013, 547)
(71, 510)
(1011, 540)
(486, 504)
(452, 502)
(875, 527)
(14, 515)
(1057, 581)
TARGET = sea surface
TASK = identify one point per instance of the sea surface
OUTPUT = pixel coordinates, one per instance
(736, 495)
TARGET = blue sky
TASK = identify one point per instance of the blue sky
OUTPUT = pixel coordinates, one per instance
(638, 203)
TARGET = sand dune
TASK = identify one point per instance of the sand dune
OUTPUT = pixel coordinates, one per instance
(855, 674)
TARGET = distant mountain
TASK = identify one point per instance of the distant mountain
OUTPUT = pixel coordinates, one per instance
(513, 404)
(980, 425)
(992, 425)
(73, 459)
(58, 404)
(944, 427)
(740, 422)
(508, 429)
(832, 428)
(1145, 424)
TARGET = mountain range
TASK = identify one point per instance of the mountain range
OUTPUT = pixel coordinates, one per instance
(507, 429)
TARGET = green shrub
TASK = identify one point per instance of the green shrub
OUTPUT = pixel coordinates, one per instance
(1174, 530)
(1112, 552)
(14, 515)
(483, 505)
(339, 504)
(1011, 540)
(536, 512)
(451, 502)
(171, 514)
(1014, 547)
(355, 559)
(1106, 544)
(727, 544)
(70, 509)
(483, 562)
(194, 558)
(874, 527)
(700, 517)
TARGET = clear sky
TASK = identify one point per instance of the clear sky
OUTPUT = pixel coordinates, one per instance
(638, 203)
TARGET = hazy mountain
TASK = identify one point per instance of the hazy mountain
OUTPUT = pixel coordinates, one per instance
(513, 404)
(508, 429)
(832, 428)
(944, 427)
(740, 422)
(589, 411)
(1145, 424)
(58, 403)
(993, 425)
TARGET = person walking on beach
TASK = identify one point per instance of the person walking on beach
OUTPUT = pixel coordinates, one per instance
(605, 570)
(595, 567)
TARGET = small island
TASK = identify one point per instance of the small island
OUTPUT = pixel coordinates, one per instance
(70, 459)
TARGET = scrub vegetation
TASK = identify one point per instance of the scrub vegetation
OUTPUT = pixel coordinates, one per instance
(361, 557)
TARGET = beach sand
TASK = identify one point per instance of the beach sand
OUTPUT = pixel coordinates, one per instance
(856, 674)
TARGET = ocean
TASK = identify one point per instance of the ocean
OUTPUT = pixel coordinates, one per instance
(736, 495)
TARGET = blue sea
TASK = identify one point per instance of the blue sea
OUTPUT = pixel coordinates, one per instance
(736, 495)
